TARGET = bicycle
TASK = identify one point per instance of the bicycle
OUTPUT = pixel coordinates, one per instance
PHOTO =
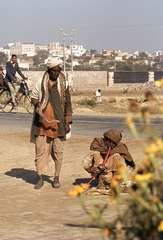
(6, 104)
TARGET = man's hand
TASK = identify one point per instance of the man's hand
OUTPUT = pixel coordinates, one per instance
(132, 164)
(38, 105)
(67, 127)
(101, 167)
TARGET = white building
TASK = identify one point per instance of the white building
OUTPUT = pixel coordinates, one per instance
(158, 53)
(23, 49)
(57, 50)
(28, 49)
(76, 50)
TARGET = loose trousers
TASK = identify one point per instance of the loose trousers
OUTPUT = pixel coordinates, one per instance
(46, 147)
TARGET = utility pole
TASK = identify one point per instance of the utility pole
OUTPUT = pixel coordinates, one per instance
(63, 38)
(72, 33)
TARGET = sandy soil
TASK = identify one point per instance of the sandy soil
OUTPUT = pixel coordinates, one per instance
(48, 213)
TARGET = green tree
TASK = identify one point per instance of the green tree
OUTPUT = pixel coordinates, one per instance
(93, 51)
(143, 55)
(3, 58)
(40, 57)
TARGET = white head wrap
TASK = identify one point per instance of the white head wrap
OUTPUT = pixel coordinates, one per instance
(54, 61)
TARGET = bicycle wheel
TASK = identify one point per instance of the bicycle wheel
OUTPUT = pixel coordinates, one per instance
(6, 101)
(27, 103)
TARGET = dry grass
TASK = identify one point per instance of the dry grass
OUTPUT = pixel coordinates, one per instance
(113, 101)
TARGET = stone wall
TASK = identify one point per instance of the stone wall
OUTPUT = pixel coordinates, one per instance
(93, 80)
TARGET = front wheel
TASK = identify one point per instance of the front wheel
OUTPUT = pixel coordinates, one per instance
(5, 101)
(28, 104)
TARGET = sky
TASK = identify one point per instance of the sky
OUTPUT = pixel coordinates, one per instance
(125, 25)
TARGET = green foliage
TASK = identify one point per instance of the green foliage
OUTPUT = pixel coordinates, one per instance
(40, 57)
(88, 102)
(130, 65)
(3, 58)
(143, 55)
(125, 90)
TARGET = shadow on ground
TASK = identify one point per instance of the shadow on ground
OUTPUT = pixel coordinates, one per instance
(29, 176)
(79, 181)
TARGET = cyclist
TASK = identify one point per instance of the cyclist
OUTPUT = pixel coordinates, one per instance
(12, 68)
(1, 78)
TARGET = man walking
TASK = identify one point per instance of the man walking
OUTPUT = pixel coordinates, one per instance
(51, 97)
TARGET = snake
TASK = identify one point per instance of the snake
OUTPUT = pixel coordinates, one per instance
(41, 114)
(44, 99)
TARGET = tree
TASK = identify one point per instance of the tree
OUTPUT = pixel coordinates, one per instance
(3, 58)
(93, 51)
(40, 57)
(143, 55)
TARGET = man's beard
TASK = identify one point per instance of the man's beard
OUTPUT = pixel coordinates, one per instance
(53, 78)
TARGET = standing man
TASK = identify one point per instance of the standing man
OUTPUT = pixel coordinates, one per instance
(98, 95)
(11, 68)
(51, 97)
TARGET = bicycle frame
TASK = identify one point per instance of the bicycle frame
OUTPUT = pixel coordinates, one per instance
(6, 100)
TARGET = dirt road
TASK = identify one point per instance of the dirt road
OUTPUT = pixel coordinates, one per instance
(47, 213)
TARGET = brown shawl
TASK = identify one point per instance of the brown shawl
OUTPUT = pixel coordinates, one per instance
(98, 144)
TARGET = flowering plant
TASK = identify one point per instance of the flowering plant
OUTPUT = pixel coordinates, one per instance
(143, 218)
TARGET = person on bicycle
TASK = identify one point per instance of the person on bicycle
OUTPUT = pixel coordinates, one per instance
(1, 78)
(12, 68)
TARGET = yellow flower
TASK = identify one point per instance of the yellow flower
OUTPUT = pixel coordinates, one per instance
(160, 108)
(147, 162)
(159, 143)
(155, 199)
(114, 182)
(129, 121)
(154, 147)
(106, 231)
(160, 227)
(159, 83)
(78, 189)
(131, 126)
(151, 149)
(143, 177)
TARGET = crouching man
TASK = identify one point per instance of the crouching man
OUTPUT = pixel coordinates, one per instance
(118, 156)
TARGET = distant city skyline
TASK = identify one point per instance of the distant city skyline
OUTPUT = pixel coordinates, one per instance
(125, 25)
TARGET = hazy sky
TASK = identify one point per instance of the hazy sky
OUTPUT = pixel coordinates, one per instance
(126, 25)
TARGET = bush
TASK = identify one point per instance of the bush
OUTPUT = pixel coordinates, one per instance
(88, 102)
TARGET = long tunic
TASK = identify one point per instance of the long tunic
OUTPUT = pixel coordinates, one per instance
(53, 111)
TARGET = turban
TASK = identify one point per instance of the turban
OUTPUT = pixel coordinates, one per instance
(113, 134)
(53, 62)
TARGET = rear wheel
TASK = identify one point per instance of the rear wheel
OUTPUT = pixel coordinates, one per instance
(27, 103)
(5, 101)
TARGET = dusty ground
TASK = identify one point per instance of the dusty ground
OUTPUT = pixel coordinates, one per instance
(49, 213)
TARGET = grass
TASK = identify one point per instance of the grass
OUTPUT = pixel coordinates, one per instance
(113, 101)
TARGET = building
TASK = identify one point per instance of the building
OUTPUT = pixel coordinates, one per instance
(19, 49)
(29, 49)
(76, 50)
